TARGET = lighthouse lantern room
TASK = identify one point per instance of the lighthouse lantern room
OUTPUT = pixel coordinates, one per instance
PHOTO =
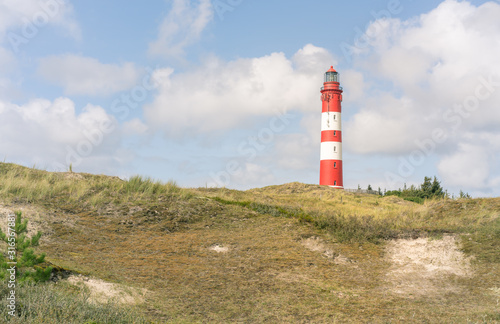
(330, 173)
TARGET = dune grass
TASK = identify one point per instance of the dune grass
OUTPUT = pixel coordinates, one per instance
(352, 217)
(153, 235)
(35, 186)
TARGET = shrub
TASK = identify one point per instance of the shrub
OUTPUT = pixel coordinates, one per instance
(393, 193)
(417, 200)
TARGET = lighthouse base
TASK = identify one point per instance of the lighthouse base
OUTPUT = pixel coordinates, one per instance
(330, 173)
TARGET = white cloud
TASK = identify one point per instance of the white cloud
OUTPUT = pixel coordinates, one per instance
(310, 59)
(253, 173)
(134, 126)
(436, 64)
(385, 125)
(296, 151)
(24, 18)
(223, 95)
(246, 175)
(469, 167)
(80, 75)
(53, 135)
(299, 150)
(181, 28)
(355, 83)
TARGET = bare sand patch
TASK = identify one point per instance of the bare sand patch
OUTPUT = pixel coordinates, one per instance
(424, 266)
(102, 291)
(219, 248)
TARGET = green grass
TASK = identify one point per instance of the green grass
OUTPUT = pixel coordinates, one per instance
(484, 243)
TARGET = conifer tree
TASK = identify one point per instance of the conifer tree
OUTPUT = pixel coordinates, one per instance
(426, 188)
(21, 253)
(436, 189)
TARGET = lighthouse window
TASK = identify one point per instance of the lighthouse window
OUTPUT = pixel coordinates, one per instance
(334, 133)
(334, 117)
(335, 149)
(331, 77)
(334, 164)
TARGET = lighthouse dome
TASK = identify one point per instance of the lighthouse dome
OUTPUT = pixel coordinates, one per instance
(331, 75)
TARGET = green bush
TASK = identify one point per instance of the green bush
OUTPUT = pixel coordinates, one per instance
(427, 190)
(393, 193)
(417, 200)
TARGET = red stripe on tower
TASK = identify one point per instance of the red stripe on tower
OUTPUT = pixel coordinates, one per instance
(330, 172)
(331, 136)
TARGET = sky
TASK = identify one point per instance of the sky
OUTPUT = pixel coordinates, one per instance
(225, 93)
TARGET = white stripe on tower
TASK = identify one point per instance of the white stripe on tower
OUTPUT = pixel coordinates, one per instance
(330, 121)
(331, 151)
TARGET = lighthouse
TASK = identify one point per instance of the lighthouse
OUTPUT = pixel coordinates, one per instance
(330, 172)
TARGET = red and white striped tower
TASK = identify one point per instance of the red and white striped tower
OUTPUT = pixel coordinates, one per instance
(330, 172)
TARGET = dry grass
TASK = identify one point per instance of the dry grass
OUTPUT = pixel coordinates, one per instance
(37, 186)
(279, 265)
(65, 303)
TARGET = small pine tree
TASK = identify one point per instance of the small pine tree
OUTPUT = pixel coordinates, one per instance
(436, 189)
(369, 187)
(464, 194)
(426, 188)
(24, 255)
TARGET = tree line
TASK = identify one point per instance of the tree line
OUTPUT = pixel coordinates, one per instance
(430, 189)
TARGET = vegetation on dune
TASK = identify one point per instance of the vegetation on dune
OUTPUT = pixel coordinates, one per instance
(353, 217)
(37, 186)
(38, 301)
(220, 255)
(427, 190)
(344, 228)
(64, 303)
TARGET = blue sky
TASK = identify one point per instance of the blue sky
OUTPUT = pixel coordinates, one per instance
(226, 92)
